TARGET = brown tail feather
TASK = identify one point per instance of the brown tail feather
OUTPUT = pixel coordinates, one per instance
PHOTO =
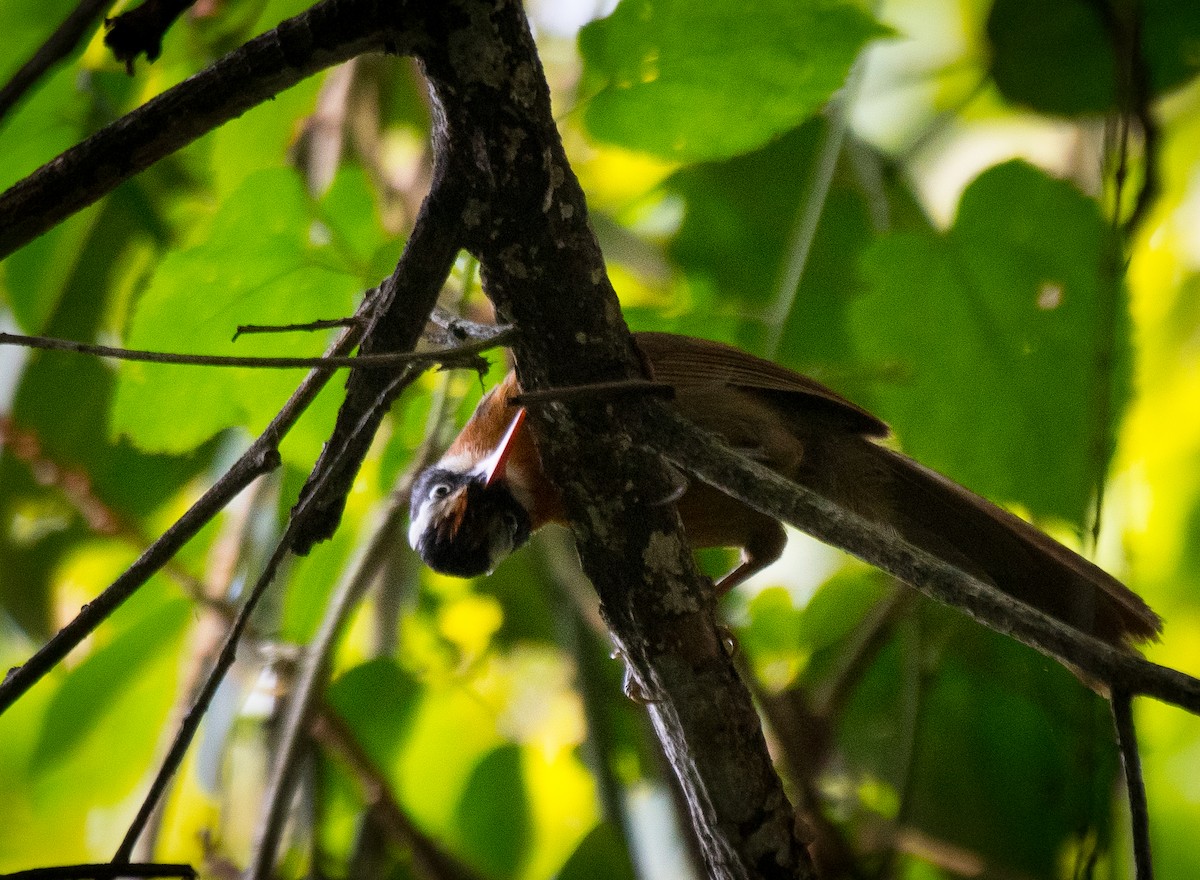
(954, 523)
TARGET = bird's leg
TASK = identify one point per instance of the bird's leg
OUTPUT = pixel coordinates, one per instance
(760, 550)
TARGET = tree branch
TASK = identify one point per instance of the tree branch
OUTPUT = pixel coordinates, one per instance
(694, 451)
(104, 872)
(406, 301)
(526, 221)
(58, 46)
(499, 336)
(262, 457)
(1135, 786)
(327, 34)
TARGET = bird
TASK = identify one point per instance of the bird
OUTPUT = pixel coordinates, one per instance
(488, 493)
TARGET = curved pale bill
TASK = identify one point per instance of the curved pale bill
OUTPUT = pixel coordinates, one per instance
(492, 467)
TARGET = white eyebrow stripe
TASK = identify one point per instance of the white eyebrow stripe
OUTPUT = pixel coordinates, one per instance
(490, 466)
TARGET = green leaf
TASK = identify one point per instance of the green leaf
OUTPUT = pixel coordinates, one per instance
(738, 230)
(1058, 57)
(1010, 337)
(1053, 57)
(60, 410)
(452, 731)
(603, 855)
(1001, 751)
(102, 726)
(259, 265)
(49, 121)
(493, 814)
(693, 81)
(357, 696)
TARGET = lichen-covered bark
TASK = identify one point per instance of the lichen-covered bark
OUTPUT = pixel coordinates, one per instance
(526, 220)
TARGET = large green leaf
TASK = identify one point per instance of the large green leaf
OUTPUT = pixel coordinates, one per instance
(493, 815)
(259, 265)
(1058, 57)
(981, 743)
(602, 855)
(60, 410)
(738, 231)
(1010, 337)
(706, 80)
(359, 694)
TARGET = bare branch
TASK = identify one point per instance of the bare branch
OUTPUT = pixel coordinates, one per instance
(694, 451)
(329, 33)
(595, 390)
(526, 221)
(104, 872)
(327, 324)
(262, 457)
(58, 46)
(1135, 786)
(498, 337)
(395, 324)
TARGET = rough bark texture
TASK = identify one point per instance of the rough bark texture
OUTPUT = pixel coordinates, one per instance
(526, 221)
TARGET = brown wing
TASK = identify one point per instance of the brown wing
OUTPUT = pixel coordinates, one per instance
(684, 361)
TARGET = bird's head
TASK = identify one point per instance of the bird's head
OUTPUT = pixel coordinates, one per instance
(464, 522)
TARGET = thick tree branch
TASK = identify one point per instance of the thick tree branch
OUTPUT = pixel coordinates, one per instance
(406, 300)
(327, 34)
(526, 220)
(696, 452)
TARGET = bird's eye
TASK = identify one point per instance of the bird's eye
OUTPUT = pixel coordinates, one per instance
(439, 490)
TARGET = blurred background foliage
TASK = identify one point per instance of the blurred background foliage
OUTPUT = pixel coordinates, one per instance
(913, 201)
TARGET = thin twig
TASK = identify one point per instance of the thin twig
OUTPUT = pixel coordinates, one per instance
(262, 457)
(327, 324)
(593, 390)
(58, 46)
(1135, 786)
(191, 721)
(315, 669)
(812, 206)
(461, 352)
(104, 871)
